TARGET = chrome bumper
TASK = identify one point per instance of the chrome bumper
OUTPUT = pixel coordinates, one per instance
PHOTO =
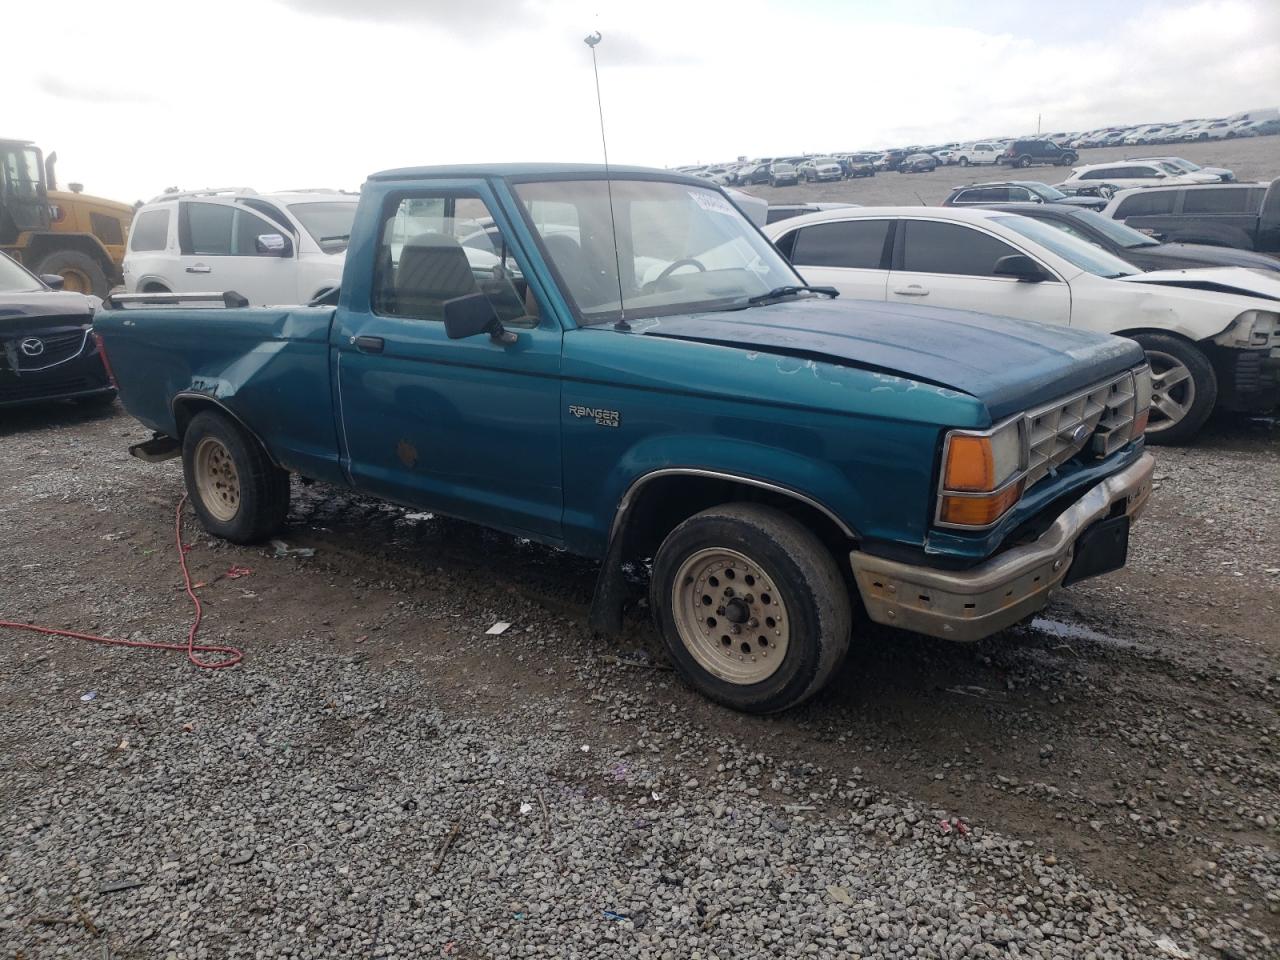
(972, 604)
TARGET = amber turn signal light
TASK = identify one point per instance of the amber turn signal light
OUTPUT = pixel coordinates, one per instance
(979, 511)
(971, 464)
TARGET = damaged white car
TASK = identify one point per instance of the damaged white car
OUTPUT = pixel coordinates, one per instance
(1212, 335)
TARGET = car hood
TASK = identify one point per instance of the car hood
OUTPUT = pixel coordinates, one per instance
(17, 309)
(1231, 281)
(1093, 203)
(1174, 255)
(1008, 364)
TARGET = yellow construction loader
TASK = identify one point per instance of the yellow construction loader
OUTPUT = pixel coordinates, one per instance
(78, 237)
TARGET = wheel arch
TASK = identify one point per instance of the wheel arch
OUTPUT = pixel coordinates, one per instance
(187, 404)
(658, 501)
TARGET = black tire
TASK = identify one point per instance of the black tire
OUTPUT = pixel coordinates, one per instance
(79, 268)
(262, 488)
(963, 161)
(809, 586)
(1160, 347)
(1023, 162)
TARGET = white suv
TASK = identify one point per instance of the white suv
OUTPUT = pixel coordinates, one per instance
(272, 248)
(981, 152)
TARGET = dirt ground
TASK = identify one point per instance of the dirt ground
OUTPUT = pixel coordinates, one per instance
(1131, 731)
(1254, 158)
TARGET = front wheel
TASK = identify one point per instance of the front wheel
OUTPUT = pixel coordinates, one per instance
(752, 607)
(964, 161)
(237, 492)
(1184, 388)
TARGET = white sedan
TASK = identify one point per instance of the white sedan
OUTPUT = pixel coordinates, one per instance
(1212, 335)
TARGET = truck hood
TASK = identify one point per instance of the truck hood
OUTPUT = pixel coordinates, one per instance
(1237, 281)
(1008, 364)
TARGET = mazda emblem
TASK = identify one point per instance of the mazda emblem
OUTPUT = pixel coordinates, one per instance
(32, 346)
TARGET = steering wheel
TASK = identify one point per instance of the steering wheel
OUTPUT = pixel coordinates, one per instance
(672, 267)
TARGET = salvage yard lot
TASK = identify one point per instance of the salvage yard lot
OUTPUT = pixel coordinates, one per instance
(1254, 158)
(380, 778)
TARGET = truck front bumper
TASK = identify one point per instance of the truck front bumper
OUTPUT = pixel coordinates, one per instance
(971, 604)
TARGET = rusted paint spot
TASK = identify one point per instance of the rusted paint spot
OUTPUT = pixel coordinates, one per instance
(407, 453)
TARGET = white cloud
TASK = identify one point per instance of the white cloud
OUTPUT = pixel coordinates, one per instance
(148, 93)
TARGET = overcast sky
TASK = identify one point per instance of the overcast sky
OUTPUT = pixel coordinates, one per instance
(137, 95)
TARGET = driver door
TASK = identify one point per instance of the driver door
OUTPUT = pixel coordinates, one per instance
(468, 427)
(940, 264)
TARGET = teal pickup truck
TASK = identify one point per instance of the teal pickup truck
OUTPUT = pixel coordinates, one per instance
(784, 465)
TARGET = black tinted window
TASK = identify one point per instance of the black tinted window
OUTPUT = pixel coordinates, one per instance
(1146, 204)
(1231, 200)
(853, 243)
(950, 248)
(248, 228)
(208, 228)
(150, 231)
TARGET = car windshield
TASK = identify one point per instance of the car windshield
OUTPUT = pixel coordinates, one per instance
(1114, 230)
(14, 279)
(827, 160)
(782, 168)
(1079, 253)
(680, 248)
(1046, 192)
(328, 222)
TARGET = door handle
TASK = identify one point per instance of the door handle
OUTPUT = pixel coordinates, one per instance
(912, 290)
(368, 344)
(199, 268)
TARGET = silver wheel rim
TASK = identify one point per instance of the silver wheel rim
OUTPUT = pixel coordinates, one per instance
(217, 480)
(730, 616)
(1173, 391)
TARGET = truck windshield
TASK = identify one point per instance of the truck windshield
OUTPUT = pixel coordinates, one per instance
(328, 222)
(1078, 252)
(681, 248)
(14, 279)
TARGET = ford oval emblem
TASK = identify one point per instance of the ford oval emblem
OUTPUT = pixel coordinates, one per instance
(1080, 434)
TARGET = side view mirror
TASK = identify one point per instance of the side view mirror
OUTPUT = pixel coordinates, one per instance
(53, 280)
(1161, 176)
(273, 245)
(472, 315)
(1020, 267)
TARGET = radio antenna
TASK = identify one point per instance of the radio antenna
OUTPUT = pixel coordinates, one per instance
(622, 324)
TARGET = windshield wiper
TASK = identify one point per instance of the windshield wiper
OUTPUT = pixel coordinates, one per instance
(790, 290)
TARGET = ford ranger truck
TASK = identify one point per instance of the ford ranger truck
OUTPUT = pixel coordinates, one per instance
(788, 465)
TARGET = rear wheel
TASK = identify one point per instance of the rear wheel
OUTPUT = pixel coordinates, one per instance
(752, 607)
(964, 161)
(79, 271)
(237, 492)
(1184, 388)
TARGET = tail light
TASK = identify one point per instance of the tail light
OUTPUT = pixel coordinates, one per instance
(106, 361)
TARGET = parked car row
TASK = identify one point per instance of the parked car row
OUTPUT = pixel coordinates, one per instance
(1058, 148)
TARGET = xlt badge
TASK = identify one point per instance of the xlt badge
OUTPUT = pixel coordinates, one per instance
(605, 418)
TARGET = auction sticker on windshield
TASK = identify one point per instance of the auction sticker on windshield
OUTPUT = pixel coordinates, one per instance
(711, 201)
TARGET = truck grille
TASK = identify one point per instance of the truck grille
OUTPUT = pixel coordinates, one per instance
(1099, 418)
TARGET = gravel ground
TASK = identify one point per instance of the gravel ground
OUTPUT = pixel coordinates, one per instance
(1254, 158)
(380, 778)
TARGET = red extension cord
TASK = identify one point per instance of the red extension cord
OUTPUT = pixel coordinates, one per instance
(233, 655)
